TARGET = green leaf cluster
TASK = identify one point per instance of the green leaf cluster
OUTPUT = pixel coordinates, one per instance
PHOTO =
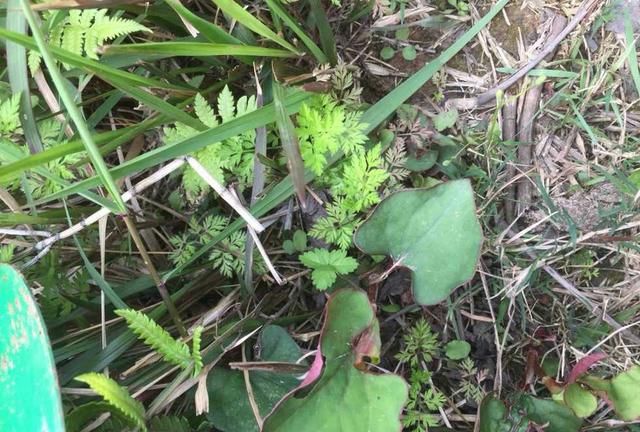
(232, 157)
(421, 345)
(324, 128)
(228, 255)
(83, 31)
(362, 176)
(50, 177)
(327, 265)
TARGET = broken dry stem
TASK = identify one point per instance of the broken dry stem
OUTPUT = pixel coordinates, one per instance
(162, 289)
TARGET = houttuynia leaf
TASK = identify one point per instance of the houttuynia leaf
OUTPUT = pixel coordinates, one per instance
(434, 232)
(344, 398)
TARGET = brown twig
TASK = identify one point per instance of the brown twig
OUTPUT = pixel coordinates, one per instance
(530, 109)
(250, 395)
(162, 289)
(581, 13)
(509, 114)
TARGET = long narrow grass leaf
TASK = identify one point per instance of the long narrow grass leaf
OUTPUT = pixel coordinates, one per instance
(236, 12)
(194, 49)
(281, 13)
(19, 77)
(210, 31)
(86, 64)
(73, 111)
(157, 104)
(327, 40)
(99, 280)
(632, 56)
(289, 142)
(162, 154)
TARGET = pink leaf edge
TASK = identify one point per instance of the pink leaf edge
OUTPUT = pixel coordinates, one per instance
(583, 366)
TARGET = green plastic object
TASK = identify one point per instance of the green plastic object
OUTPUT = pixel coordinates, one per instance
(29, 392)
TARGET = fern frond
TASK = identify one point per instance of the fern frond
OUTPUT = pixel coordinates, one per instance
(226, 105)
(116, 395)
(73, 39)
(172, 350)
(195, 350)
(204, 111)
(10, 115)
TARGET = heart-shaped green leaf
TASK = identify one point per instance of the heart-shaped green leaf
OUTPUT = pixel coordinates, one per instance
(434, 232)
(345, 398)
(29, 393)
(230, 406)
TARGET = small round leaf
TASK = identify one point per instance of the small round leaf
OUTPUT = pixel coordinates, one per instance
(457, 349)
(387, 53)
(409, 53)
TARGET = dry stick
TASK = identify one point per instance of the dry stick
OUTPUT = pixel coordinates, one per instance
(497, 383)
(526, 122)
(102, 233)
(250, 395)
(225, 194)
(525, 146)
(582, 12)
(139, 187)
(162, 289)
(509, 114)
(258, 183)
(51, 100)
(265, 257)
(147, 234)
(77, 4)
(19, 232)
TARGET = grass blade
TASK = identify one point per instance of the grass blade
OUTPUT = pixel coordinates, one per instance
(236, 12)
(98, 163)
(19, 77)
(157, 156)
(327, 40)
(632, 56)
(289, 142)
(99, 69)
(195, 49)
(157, 104)
(281, 13)
(210, 31)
